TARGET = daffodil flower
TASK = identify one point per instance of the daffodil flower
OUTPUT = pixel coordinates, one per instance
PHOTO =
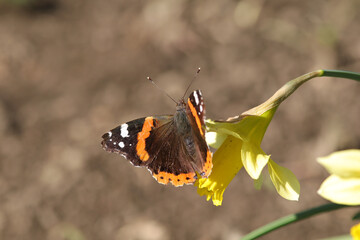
(240, 147)
(343, 185)
(238, 141)
(355, 232)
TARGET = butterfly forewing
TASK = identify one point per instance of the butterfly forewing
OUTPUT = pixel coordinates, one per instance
(196, 113)
(127, 138)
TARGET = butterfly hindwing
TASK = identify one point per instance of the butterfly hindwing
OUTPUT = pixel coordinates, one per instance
(172, 162)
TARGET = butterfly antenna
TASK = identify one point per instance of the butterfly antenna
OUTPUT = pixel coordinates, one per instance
(148, 78)
(195, 76)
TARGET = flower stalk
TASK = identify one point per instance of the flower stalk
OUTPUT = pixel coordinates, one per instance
(281, 222)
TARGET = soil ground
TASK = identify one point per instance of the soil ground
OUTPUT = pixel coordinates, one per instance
(72, 70)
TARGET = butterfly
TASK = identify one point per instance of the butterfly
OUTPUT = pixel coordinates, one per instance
(171, 147)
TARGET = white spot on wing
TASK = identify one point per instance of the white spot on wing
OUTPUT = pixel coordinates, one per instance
(124, 130)
(121, 144)
(201, 108)
(196, 98)
(110, 134)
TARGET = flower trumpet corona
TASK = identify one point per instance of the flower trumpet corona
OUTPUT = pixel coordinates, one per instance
(343, 185)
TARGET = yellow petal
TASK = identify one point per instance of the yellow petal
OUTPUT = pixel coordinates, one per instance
(242, 148)
(214, 139)
(355, 232)
(250, 130)
(253, 159)
(341, 190)
(226, 164)
(284, 180)
(343, 163)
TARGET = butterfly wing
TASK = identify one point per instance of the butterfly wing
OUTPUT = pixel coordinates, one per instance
(154, 143)
(129, 138)
(195, 110)
(171, 163)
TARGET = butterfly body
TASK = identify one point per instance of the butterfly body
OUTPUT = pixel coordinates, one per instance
(171, 147)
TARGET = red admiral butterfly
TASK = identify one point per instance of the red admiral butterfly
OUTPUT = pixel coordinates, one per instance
(171, 147)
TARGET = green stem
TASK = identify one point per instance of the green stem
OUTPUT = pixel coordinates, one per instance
(341, 74)
(291, 219)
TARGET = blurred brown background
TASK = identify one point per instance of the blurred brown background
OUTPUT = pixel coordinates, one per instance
(72, 70)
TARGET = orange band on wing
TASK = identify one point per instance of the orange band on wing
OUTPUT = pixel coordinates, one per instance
(176, 180)
(208, 164)
(197, 119)
(144, 134)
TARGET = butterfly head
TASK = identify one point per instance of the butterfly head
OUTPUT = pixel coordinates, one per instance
(180, 105)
